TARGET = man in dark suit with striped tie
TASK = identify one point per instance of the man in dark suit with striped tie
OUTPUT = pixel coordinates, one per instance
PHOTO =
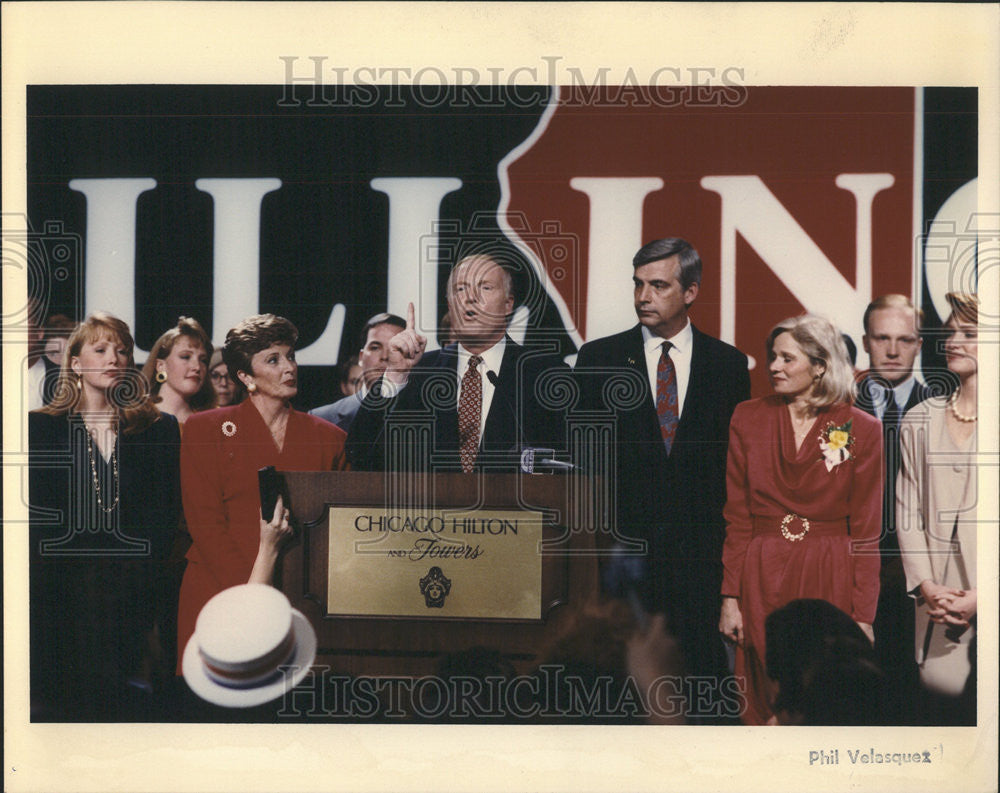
(889, 389)
(470, 406)
(667, 456)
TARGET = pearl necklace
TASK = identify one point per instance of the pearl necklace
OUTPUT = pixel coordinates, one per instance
(954, 410)
(93, 474)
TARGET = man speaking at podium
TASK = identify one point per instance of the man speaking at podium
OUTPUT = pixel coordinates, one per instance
(471, 406)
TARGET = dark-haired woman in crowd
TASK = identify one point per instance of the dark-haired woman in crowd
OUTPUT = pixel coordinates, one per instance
(227, 390)
(177, 370)
(222, 452)
(804, 498)
(105, 502)
(936, 501)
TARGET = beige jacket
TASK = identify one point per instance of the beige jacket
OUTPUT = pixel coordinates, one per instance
(936, 485)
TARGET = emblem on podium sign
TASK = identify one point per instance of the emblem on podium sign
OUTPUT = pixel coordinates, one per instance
(435, 588)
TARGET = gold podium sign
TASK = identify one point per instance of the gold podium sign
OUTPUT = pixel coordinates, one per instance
(481, 565)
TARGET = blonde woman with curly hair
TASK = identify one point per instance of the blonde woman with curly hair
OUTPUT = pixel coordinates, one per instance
(804, 498)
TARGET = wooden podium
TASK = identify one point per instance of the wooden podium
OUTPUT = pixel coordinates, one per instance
(412, 646)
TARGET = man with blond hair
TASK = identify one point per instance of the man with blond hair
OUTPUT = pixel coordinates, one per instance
(889, 389)
(471, 406)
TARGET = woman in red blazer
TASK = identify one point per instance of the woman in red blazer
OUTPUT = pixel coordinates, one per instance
(804, 498)
(222, 451)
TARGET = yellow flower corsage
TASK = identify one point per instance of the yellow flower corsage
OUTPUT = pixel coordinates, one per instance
(836, 443)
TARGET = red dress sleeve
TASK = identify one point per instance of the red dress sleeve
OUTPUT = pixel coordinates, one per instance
(335, 439)
(202, 488)
(737, 509)
(865, 516)
(315, 445)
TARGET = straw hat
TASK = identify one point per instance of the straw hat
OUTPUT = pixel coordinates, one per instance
(249, 647)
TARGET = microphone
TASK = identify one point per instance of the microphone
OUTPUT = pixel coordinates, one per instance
(534, 458)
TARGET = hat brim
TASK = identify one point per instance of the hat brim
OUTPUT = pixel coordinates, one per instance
(284, 681)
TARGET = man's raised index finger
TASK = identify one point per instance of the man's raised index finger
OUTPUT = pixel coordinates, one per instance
(410, 318)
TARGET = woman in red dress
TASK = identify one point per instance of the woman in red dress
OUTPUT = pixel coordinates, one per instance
(222, 451)
(804, 498)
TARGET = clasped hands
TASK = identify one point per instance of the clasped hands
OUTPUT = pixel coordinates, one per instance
(947, 605)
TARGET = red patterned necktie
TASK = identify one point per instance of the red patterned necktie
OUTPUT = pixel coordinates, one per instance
(666, 397)
(470, 403)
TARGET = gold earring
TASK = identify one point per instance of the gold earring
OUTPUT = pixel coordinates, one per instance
(79, 382)
(251, 387)
(161, 376)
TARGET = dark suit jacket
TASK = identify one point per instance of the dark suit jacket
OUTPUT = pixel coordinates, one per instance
(150, 497)
(93, 591)
(417, 429)
(889, 544)
(673, 503)
(341, 412)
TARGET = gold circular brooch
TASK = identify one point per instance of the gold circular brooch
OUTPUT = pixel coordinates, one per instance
(787, 534)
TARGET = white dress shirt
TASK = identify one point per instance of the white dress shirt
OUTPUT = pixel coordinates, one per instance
(900, 392)
(492, 358)
(680, 354)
